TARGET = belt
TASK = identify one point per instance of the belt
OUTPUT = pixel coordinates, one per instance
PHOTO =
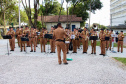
(31, 37)
(103, 40)
(120, 40)
(60, 40)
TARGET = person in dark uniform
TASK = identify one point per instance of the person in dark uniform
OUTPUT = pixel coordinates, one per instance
(59, 34)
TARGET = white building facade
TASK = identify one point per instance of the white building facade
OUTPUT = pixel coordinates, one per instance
(73, 24)
(118, 12)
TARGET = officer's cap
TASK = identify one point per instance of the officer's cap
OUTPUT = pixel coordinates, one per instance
(32, 27)
(102, 29)
(21, 26)
(58, 24)
(26, 26)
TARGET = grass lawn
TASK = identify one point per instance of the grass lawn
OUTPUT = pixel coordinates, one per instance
(124, 34)
(123, 60)
(98, 44)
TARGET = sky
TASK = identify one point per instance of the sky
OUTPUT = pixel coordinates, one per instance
(101, 16)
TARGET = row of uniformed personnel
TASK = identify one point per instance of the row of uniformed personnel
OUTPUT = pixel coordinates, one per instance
(80, 37)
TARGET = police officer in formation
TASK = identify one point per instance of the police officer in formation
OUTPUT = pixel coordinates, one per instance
(61, 39)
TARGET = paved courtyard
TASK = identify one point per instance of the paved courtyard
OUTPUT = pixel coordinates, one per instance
(40, 68)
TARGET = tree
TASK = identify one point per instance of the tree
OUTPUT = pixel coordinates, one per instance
(5, 5)
(80, 9)
(67, 10)
(60, 10)
(51, 8)
(27, 7)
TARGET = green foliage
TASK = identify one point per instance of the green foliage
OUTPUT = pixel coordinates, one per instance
(39, 25)
(12, 13)
(82, 24)
(80, 11)
(80, 8)
(123, 60)
(52, 9)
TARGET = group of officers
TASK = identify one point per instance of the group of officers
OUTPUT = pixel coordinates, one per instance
(79, 37)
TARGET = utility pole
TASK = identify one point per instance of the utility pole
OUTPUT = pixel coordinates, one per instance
(19, 16)
(89, 15)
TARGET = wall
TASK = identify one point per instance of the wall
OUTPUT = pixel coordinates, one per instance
(118, 12)
(48, 25)
(124, 30)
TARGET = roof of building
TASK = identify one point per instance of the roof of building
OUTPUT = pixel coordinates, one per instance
(118, 27)
(63, 18)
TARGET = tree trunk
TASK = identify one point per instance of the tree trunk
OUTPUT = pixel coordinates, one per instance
(60, 11)
(4, 24)
(71, 15)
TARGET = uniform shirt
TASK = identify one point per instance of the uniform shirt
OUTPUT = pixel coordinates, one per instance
(51, 32)
(59, 33)
(107, 34)
(17, 32)
(67, 38)
(102, 36)
(21, 32)
(84, 34)
(93, 34)
(32, 34)
(42, 34)
(120, 36)
(110, 35)
(12, 33)
(76, 34)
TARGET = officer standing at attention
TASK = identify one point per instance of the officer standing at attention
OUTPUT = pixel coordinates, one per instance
(84, 35)
(36, 36)
(107, 42)
(58, 35)
(120, 41)
(22, 43)
(102, 38)
(93, 42)
(52, 41)
(42, 40)
(11, 41)
(111, 38)
(74, 41)
(32, 39)
(17, 33)
(27, 34)
(67, 38)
